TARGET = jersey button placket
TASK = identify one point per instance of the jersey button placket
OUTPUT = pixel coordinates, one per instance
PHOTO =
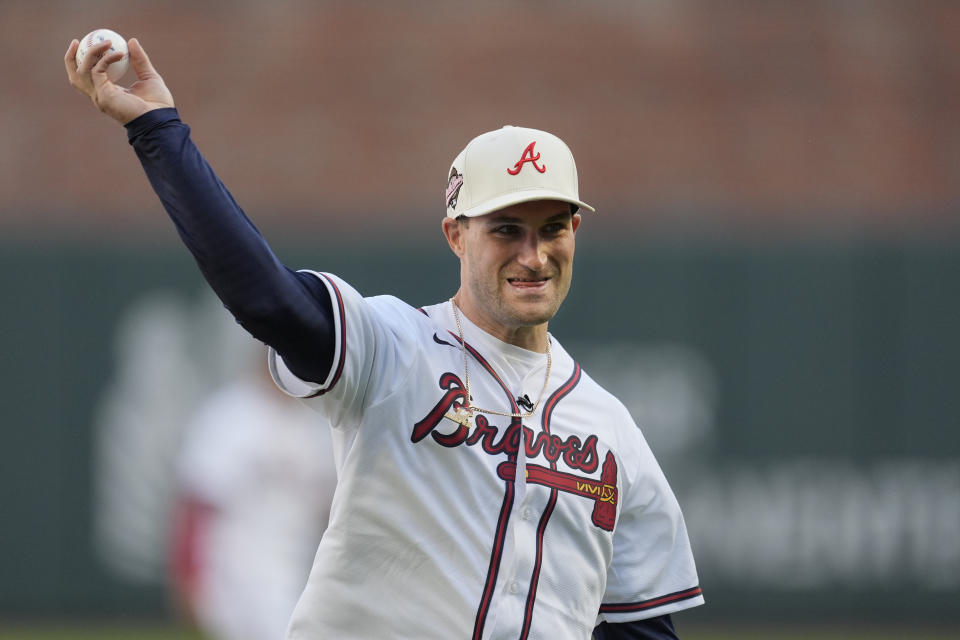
(525, 537)
(516, 580)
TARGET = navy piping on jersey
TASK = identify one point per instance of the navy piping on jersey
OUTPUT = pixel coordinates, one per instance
(643, 605)
(551, 404)
(496, 554)
(486, 365)
(342, 337)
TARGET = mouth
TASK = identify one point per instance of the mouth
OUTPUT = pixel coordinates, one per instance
(528, 284)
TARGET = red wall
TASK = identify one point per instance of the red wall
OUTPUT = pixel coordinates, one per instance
(736, 118)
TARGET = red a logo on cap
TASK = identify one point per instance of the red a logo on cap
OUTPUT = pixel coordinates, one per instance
(527, 157)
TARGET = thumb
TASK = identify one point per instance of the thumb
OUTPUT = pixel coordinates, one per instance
(140, 61)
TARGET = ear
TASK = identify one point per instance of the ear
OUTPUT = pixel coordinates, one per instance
(575, 221)
(453, 231)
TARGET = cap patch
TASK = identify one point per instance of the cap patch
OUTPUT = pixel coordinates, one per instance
(528, 156)
(453, 187)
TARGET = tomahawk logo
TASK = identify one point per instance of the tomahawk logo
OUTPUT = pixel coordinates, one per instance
(528, 156)
(604, 492)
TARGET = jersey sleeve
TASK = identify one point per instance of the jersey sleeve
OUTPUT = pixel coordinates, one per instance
(375, 345)
(652, 572)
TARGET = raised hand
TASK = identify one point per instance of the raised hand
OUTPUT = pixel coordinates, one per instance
(122, 104)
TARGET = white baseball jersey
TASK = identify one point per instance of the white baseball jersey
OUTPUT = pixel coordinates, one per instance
(267, 470)
(533, 528)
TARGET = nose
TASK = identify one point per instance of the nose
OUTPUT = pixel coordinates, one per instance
(533, 253)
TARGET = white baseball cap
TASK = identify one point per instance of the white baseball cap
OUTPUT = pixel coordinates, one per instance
(509, 166)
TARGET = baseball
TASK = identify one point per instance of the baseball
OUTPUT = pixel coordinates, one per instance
(117, 43)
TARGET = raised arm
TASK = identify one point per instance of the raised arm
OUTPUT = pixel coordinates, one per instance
(289, 311)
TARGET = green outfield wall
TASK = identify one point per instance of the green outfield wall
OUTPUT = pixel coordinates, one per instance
(803, 400)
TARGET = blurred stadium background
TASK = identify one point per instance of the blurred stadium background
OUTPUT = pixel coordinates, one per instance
(770, 281)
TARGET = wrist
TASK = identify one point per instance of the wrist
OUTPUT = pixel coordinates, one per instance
(149, 121)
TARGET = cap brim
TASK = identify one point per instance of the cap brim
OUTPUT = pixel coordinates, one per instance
(517, 197)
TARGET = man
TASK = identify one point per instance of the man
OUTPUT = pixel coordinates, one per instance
(488, 488)
(255, 481)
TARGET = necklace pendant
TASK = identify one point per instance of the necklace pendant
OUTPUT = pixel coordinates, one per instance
(464, 415)
(461, 416)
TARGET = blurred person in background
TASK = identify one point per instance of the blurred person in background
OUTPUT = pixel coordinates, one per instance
(255, 481)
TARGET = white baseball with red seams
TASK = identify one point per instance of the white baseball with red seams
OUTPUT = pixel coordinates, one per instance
(117, 44)
(504, 527)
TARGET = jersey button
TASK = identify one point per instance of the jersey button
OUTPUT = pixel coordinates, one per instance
(515, 587)
(527, 514)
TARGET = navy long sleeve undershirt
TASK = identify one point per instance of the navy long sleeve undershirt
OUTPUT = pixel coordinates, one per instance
(658, 628)
(289, 311)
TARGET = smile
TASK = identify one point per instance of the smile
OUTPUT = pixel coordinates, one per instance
(528, 283)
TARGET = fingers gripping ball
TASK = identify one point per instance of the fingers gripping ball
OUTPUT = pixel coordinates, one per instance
(117, 44)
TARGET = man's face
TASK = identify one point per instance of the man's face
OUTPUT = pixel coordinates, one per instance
(515, 263)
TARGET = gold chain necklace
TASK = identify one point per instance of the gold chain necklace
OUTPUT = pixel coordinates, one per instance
(463, 414)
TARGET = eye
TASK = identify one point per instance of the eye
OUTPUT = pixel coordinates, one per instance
(506, 229)
(554, 228)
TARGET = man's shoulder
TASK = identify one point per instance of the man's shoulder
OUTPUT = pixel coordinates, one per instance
(403, 319)
(599, 400)
(606, 401)
(389, 304)
(346, 294)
